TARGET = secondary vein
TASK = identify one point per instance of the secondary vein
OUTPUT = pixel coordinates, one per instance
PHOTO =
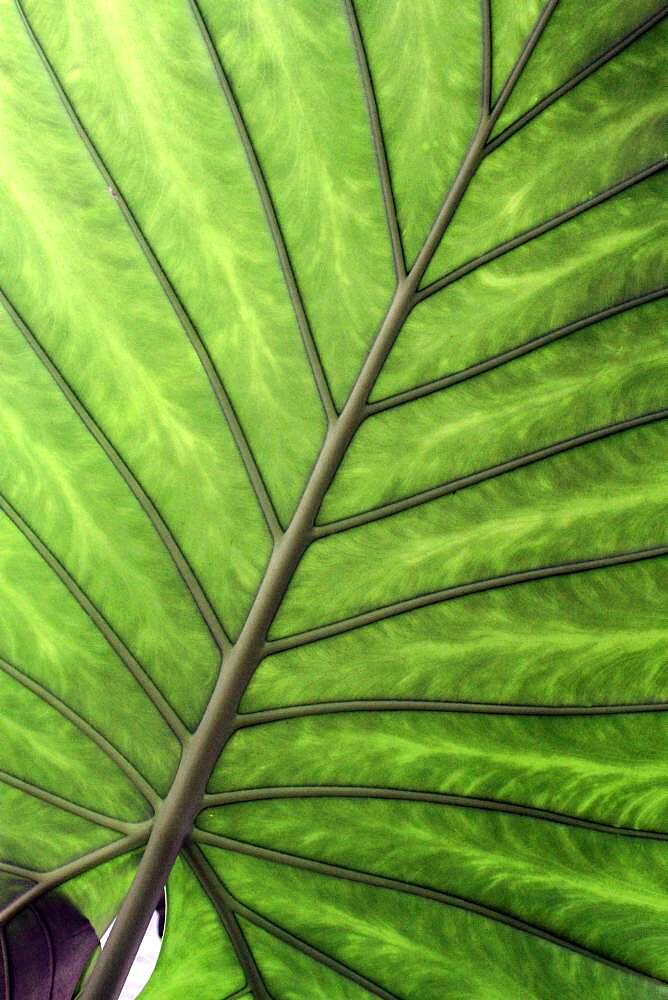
(414, 889)
(380, 150)
(46, 881)
(486, 75)
(275, 229)
(222, 799)
(115, 755)
(215, 891)
(460, 590)
(268, 715)
(539, 230)
(427, 388)
(308, 949)
(159, 524)
(124, 654)
(189, 328)
(528, 48)
(473, 478)
(66, 805)
(577, 78)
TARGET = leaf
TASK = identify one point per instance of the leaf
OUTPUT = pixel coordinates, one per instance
(44, 948)
(332, 491)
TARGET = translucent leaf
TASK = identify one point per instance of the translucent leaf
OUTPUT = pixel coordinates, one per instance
(332, 496)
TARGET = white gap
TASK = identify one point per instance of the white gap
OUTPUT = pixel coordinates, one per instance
(144, 963)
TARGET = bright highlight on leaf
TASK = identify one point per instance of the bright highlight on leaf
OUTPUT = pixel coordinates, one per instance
(333, 498)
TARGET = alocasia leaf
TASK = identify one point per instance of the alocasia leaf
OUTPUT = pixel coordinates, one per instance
(333, 493)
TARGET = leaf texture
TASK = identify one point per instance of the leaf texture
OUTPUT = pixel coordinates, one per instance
(333, 494)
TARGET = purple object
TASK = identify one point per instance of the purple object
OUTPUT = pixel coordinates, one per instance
(44, 951)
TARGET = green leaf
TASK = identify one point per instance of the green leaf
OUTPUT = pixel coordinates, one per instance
(332, 493)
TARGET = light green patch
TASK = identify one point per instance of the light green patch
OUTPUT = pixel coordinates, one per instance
(516, 187)
(308, 123)
(612, 769)
(426, 59)
(582, 639)
(564, 50)
(379, 933)
(603, 889)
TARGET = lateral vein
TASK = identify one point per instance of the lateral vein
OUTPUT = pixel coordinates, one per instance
(528, 48)
(436, 798)
(271, 217)
(380, 151)
(539, 230)
(159, 524)
(99, 819)
(182, 315)
(126, 657)
(268, 715)
(497, 360)
(238, 994)
(121, 762)
(461, 590)
(473, 158)
(472, 479)
(486, 75)
(574, 80)
(18, 871)
(46, 881)
(414, 889)
(215, 891)
(308, 949)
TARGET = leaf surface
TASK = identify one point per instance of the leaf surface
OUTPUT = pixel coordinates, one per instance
(332, 493)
